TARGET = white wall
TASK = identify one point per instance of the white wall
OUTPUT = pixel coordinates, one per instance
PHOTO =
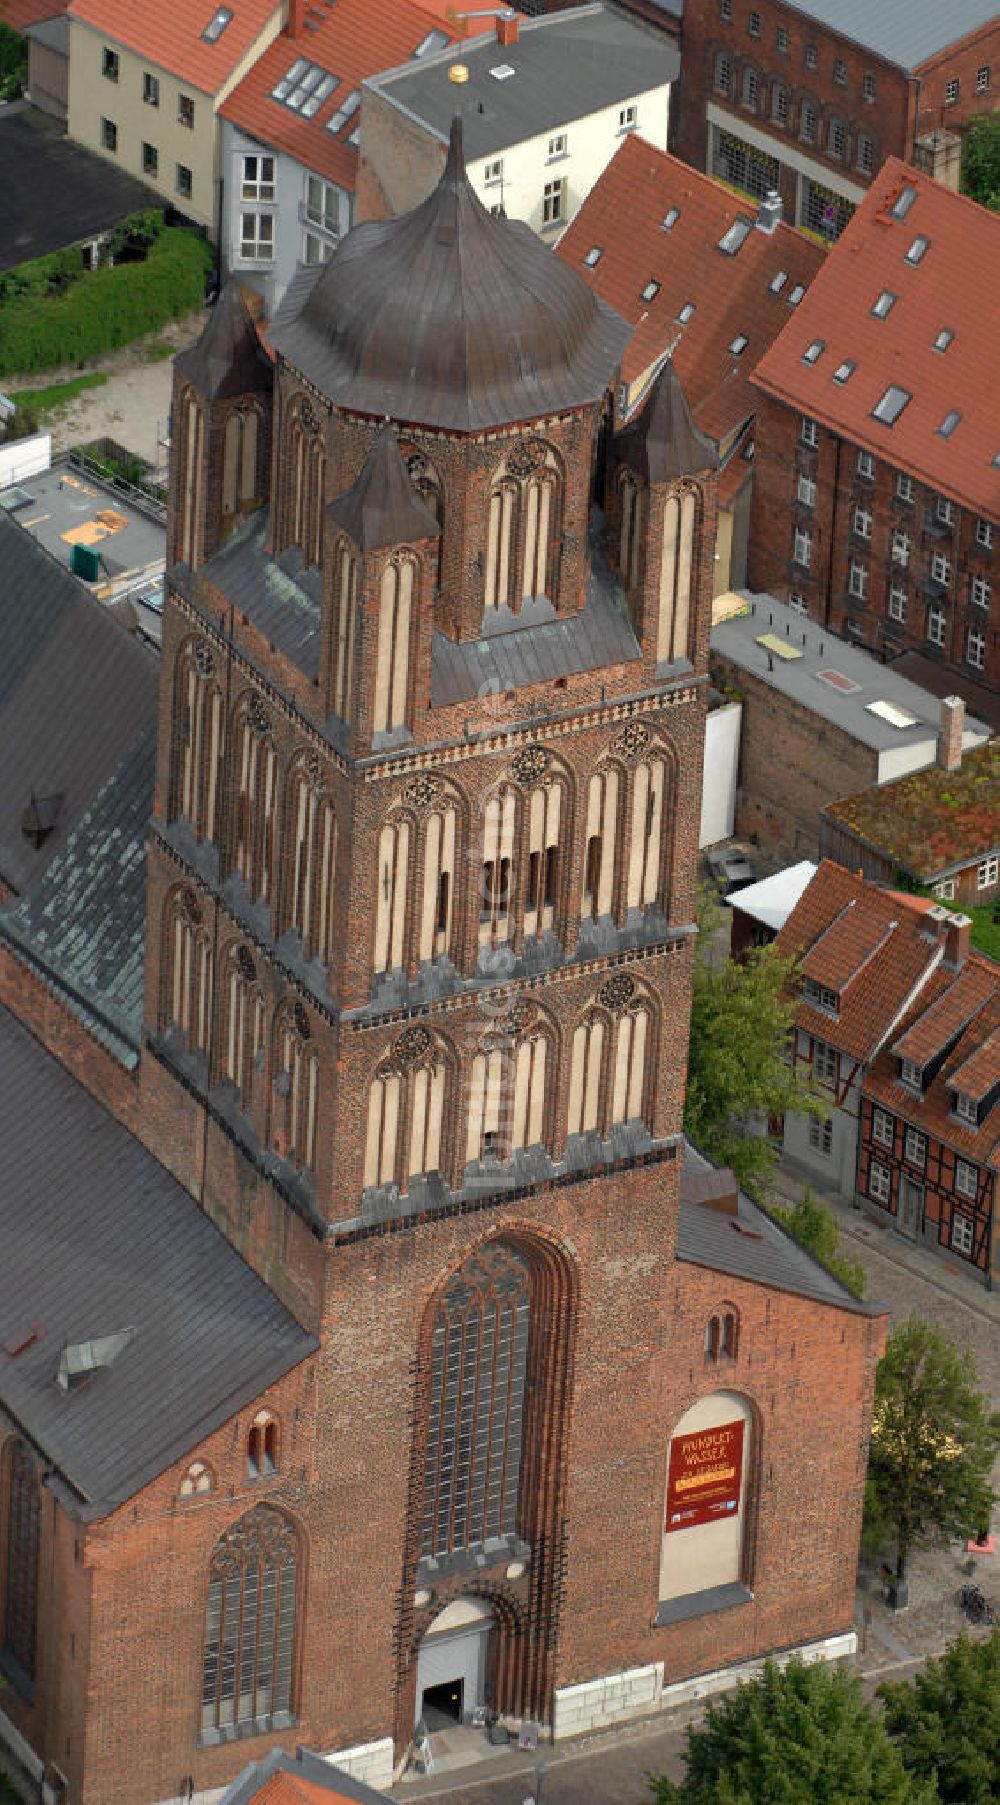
(591, 142)
(718, 784)
(24, 457)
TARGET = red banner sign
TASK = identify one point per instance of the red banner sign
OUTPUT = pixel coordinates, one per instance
(703, 1484)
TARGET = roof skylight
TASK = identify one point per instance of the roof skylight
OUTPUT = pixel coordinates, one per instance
(217, 24)
(949, 423)
(346, 110)
(943, 339)
(670, 218)
(917, 249)
(739, 343)
(845, 371)
(884, 305)
(594, 255)
(737, 235)
(304, 88)
(891, 405)
(796, 295)
(814, 352)
(686, 313)
(891, 712)
(651, 290)
(903, 202)
(777, 282)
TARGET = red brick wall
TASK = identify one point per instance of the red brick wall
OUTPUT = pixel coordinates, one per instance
(961, 62)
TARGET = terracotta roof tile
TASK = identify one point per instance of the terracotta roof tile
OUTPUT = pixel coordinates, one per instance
(172, 37)
(290, 1789)
(623, 216)
(945, 288)
(932, 821)
(950, 1013)
(977, 1053)
(845, 947)
(981, 1070)
(19, 14)
(356, 39)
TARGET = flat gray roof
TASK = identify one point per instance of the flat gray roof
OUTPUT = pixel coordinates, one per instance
(62, 505)
(834, 679)
(905, 32)
(565, 66)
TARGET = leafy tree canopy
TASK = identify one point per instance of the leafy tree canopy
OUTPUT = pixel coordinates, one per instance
(794, 1736)
(981, 161)
(815, 1228)
(739, 1072)
(935, 1438)
(946, 1725)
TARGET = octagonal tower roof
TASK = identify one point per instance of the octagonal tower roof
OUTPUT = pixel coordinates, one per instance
(448, 317)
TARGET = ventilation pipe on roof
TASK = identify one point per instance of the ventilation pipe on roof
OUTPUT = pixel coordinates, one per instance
(508, 24)
(770, 211)
(950, 733)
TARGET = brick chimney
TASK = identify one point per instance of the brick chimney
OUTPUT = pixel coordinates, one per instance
(770, 211)
(296, 18)
(957, 940)
(950, 731)
(508, 24)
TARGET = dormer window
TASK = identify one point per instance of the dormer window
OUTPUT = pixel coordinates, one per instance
(966, 1108)
(911, 1074)
(822, 996)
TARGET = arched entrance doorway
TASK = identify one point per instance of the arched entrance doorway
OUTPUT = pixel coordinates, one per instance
(452, 1664)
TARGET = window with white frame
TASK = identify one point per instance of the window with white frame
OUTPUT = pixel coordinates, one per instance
(984, 533)
(987, 872)
(879, 1182)
(951, 91)
(944, 509)
(802, 553)
(975, 648)
(866, 154)
(807, 123)
(966, 1178)
(837, 139)
(979, 592)
(811, 57)
(868, 87)
(983, 79)
(554, 202)
(937, 627)
(317, 250)
(258, 179)
(857, 581)
(900, 547)
(557, 145)
(753, 24)
(322, 204)
(866, 465)
(797, 602)
(808, 431)
(257, 237)
(897, 603)
(751, 88)
(945, 889)
(961, 1232)
(628, 117)
(807, 491)
(904, 486)
(782, 40)
(911, 1074)
(915, 1148)
(824, 1062)
(779, 104)
(723, 72)
(883, 1127)
(863, 523)
(822, 995)
(493, 171)
(967, 1108)
(726, 10)
(941, 568)
(821, 1136)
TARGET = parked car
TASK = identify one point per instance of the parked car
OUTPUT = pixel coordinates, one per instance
(730, 868)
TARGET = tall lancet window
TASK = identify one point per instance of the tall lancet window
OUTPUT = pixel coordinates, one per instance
(600, 852)
(198, 739)
(187, 1002)
(296, 1107)
(392, 659)
(628, 539)
(647, 874)
(523, 523)
(192, 461)
(314, 859)
(256, 799)
(406, 1113)
(438, 908)
(239, 463)
(345, 602)
(245, 1024)
(673, 639)
(390, 900)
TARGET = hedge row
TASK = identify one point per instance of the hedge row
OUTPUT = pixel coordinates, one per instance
(105, 309)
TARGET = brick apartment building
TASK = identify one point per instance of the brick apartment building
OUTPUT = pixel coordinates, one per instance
(809, 97)
(369, 1125)
(877, 486)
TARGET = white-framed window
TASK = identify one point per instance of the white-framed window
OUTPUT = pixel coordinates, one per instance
(723, 72)
(824, 1062)
(837, 139)
(751, 88)
(879, 1182)
(558, 145)
(961, 1232)
(808, 431)
(984, 533)
(911, 1074)
(983, 79)
(868, 87)
(866, 154)
(904, 486)
(822, 995)
(915, 1148)
(803, 547)
(257, 237)
(322, 204)
(987, 872)
(840, 71)
(944, 509)
(979, 592)
(797, 602)
(782, 40)
(811, 57)
(726, 11)
(493, 170)
(257, 183)
(966, 1178)
(967, 1108)
(941, 568)
(628, 117)
(806, 491)
(945, 890)
(866, 466)
(975, 648)
(316, 249)
(937, 626)
(821, 1136)
(951, 91)
(897, 603)
(807, 123)
(753, 24)
(554, 202)
(857, 581)
(863, 523)
(883, 1127)
(779, 105)
(900, 547)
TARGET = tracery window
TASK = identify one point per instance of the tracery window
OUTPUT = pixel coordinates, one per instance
(522, 524)
(474, 1430)
(609, 1066)
(314, 860)
(309, 499)
(239, 461)
(390, 903)
(246, 1024)
(628, 1089)
(256, 797)
(406, 1114)
(191, 464)
(600, 854)
(676, 577)
(629, 536)
(392, 659)
(20, 1623)
(440, 833)
(188, 998)
(544, 807)
(294, 1120)
(346, 607)
(507, 1095)
(250, 1624)
(646, 874)
(586, 1069)
(199, 739)
(496, 896)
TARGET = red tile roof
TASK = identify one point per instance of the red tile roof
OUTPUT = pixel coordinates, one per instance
(19, 14)
(623, 216)
(977, 1052)
(932, 821)
(981, 1071)
(950, 1013)
(885, 985)
(171, 35)
(356, 39)
(845, 947)
(948, 288)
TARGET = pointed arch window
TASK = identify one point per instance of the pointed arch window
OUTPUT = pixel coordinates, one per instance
(437, 914)
(239, 461)
(479, 1357)
(188, 989)
(392, 660)
(601, 848)
(297, 1087)
(628, 1085)
(507, 1098)
(20, 1617)
(314, 862)
(246, 1024)
(628, 540)
(586, 1070)
(406, 1113)
(200, 736)
(522, 527)
(544, 822)
(390, 905)
(673, 639)
(345, 604)
(256, 799)
(250, 1624)
(192, 467)
(496, 894)
(647, 874)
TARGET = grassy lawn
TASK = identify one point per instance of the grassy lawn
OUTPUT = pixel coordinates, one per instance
(985, 931)
(42, 401)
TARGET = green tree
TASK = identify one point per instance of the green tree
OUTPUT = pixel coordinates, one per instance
(738, 1066)
(13, 62)
(935, 1438)
(815, 1228)
(947, 1723)
(793, 1736)
(981, 161)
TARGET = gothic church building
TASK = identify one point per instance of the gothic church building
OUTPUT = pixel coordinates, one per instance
(371, 1350)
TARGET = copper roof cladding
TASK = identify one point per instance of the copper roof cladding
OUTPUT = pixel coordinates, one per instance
(228, 358)
(664, 442)
(447, 317)
(383, 508)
